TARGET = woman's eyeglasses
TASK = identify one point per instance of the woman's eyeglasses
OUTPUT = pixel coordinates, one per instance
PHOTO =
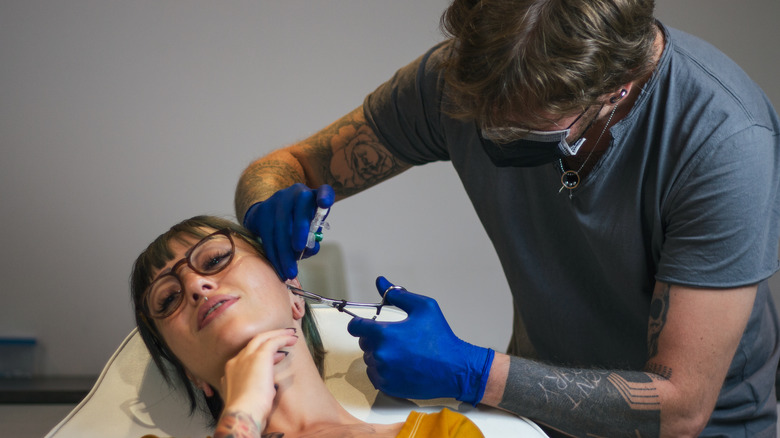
(210, 256)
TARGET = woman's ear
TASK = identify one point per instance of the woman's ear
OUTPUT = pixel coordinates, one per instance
(208, 391)
(294, 282)
(296, 301)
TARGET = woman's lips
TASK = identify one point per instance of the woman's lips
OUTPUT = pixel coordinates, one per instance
(212, 308)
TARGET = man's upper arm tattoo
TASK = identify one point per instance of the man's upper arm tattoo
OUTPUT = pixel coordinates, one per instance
(659, 308)
(357, 158)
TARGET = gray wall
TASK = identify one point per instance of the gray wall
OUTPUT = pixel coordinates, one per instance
(119, 118)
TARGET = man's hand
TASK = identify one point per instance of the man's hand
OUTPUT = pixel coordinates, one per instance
(420, 357)
(282, 223)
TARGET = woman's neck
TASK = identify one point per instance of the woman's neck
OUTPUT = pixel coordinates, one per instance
(302, 400)
(304, 406)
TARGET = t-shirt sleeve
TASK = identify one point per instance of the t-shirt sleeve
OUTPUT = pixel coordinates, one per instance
(721, 220)
(405, 112)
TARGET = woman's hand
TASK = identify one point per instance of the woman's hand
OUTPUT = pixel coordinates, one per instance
(248, 386)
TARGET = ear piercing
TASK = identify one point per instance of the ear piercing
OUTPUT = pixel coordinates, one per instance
(615, 99)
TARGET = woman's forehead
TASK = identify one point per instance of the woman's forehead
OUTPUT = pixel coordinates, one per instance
(177, 245)
(181, 242)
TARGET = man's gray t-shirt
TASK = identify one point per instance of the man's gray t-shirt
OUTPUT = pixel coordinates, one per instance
(686, 194)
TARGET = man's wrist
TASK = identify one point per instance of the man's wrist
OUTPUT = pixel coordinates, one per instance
(496, 382)
(484, 375)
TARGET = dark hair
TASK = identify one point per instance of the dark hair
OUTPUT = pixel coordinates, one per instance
(532, 57)
(152, 259)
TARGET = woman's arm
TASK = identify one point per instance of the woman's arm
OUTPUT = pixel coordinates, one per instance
(347, 155)
(693, 335)
(248, 387)
(237, 424)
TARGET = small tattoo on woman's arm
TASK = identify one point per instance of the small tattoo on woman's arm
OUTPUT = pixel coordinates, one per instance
(237, 424)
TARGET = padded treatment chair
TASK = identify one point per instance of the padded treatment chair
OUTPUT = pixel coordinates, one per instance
(130, 398)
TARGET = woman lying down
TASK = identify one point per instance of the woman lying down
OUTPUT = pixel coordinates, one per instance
(207, 301)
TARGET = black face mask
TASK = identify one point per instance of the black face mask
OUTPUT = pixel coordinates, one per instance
(531, 148)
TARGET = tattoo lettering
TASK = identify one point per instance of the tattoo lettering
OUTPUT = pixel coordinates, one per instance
(659, 308)
(572, 385)
(580, 402)
(235, 424)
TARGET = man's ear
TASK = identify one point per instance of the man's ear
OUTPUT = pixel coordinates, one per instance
(208, 391)
(296, 301)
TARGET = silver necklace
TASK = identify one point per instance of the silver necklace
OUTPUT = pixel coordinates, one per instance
(570, 179)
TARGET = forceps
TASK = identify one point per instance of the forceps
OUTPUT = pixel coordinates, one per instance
(340, 304)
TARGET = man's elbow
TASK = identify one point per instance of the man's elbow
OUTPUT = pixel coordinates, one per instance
(684, 421)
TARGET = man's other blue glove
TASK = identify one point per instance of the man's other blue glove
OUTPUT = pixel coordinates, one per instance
(420, 357)
(282, 223)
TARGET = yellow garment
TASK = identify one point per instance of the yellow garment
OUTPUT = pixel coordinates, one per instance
(444, 424)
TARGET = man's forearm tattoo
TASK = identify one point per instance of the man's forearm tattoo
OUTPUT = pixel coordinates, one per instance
(660, 371)
(583, 402)
(260, 181)
(638, 393)
(347, 155)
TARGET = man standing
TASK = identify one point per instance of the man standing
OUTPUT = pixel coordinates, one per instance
(627, 174)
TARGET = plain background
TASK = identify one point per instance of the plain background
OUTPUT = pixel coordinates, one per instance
(119, 118)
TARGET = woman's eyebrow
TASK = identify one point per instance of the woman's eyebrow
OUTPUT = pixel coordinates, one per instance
(166, 271)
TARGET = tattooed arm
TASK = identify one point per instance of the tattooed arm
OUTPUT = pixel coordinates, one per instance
(692, 337)
(248, 387)
(237, 424)
(347, 155)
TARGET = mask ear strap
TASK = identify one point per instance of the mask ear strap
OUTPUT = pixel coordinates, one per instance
(615, 99)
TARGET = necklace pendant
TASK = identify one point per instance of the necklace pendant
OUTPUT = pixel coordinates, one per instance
(570, 180)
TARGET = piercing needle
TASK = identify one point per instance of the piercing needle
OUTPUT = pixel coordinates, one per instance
(315, 235)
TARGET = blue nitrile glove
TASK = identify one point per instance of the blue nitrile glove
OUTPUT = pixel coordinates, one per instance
(282, 223)
(420, 357)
